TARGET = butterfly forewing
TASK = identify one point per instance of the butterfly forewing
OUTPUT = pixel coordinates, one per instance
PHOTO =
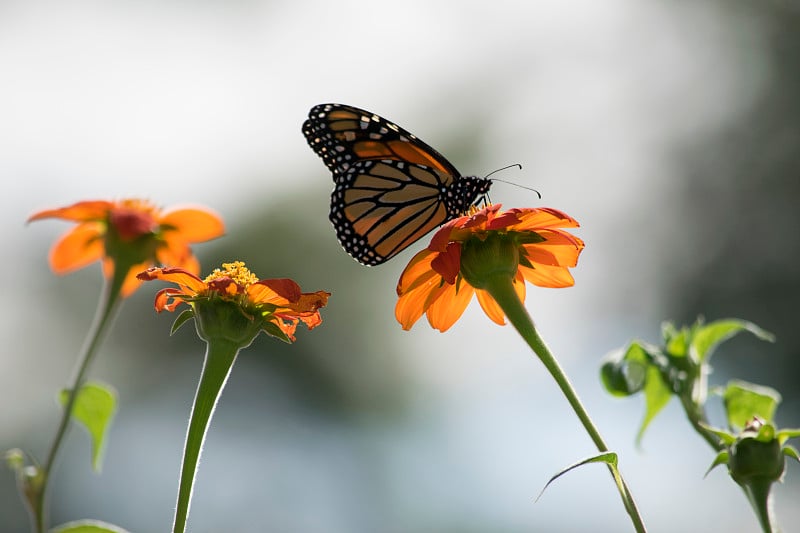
(391, 188)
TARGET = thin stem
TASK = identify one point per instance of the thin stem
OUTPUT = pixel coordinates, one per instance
(104, 316)
(220, 357)
(697, 416)
(758, 494)
(501, 289)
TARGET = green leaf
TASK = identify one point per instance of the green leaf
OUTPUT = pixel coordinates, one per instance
(745, 400)
(88, 526)
(708, 337)
(624, 373)
(181, 320)
(720, 459)
(676, 342)
(656, 397)
(668, 331)
(610, 458)
(94, 408)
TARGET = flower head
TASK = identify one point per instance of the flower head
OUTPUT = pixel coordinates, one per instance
(233, 303)
(129, 236)
(525, 244)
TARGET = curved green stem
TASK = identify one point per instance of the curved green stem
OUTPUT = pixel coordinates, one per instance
(220, 356)
(758, 494)
(104, 316)
(501, 289)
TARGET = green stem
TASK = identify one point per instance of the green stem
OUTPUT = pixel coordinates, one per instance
(104, 316)
(220, 356)
(501, 289)
(697, 416)
(759, 496)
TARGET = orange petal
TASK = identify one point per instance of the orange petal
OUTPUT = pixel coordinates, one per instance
(543, 217)
(448, 262)
(287, 326)
(79, 212)
(166, 299)
(312, 321)
(418, 272)
(192, 224)
(444, 234)
(490, 307)
(179, 276)
(411, 305)
(557, 250)
(548, 276)
(281, 292)
(131, 282)
(310, 302)
(448, 306)
(77, 248)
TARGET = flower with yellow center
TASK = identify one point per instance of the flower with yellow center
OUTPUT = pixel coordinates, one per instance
(231, 306)
(232, 301)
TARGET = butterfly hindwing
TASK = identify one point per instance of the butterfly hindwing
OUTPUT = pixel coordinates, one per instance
(380, 207)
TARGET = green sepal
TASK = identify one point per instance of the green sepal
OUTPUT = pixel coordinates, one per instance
(787, 433)
(270, 328)
(181, 320)
(744, 400)
(791, 451)
(609, 458)
(94, 408)
(725, 436)
(720, 459)
(88, 526)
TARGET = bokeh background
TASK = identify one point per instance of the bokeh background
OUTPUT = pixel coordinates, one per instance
(670, 130)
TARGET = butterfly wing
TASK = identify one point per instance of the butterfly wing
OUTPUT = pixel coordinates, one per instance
(342, 134)
(380, 207)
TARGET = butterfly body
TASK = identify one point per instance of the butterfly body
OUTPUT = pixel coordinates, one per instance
(390, 188)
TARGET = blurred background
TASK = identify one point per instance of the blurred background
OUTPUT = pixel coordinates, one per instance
(670, 130)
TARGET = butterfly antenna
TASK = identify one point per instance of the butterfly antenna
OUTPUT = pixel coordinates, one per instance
(511, 182)
(504, 168)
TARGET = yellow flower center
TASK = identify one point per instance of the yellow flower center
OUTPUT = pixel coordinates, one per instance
(474, 208)
(235, 271)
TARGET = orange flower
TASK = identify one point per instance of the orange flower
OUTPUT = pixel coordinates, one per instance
(523, 243)
(130, 234)
(266, 304)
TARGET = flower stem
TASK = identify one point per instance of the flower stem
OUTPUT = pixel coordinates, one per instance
(220, 356)
(501, 289)
(758, 494)
(104, 316)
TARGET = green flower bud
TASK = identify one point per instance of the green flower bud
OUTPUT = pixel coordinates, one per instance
(483, 259)
(755, 461)
(219, 319)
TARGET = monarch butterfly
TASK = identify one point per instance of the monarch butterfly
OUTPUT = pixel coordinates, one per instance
(390, 187)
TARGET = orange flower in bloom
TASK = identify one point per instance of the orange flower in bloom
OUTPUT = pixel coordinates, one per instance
(130, 234)
(266, 303)
(524, 243)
